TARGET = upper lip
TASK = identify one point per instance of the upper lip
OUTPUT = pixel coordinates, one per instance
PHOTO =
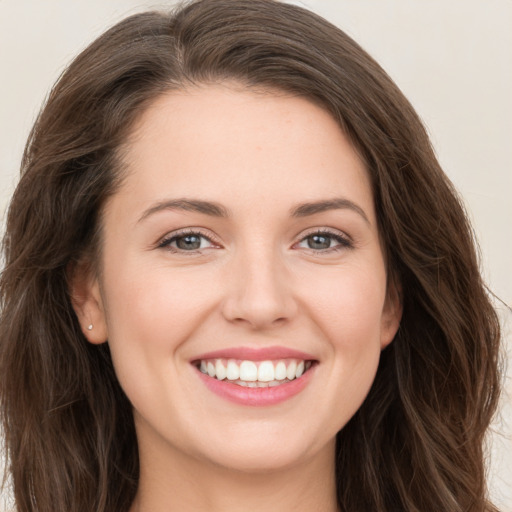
(256, 354)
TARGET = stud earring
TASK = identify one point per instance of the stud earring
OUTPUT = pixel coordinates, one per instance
(89, 327)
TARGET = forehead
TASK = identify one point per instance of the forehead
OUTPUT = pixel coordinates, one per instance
(239, 143)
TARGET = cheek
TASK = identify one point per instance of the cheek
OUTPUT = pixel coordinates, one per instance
(152, 308)
(151, 315)
(155, 310)
(348, 305)
(349, 313)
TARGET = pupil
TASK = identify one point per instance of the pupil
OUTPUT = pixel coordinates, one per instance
(189, 242)
(319, 242)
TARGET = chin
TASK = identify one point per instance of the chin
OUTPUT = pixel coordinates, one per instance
(259, 460)
(267, 452)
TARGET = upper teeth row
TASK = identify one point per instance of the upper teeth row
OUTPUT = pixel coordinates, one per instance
(252, 371)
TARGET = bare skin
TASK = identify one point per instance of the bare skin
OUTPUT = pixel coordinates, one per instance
(299, 488)
(286, 253)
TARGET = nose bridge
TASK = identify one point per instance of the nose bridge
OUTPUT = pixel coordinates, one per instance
(259, 293)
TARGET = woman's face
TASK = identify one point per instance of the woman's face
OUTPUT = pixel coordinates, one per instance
(243, 243)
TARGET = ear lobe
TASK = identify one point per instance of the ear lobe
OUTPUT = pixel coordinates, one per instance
(87, 302)
(391, 314)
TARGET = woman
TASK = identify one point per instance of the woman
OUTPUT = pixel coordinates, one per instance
(237, 279)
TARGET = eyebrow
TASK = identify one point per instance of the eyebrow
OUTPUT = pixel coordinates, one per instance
(189, 205)
(307, 209)
(217, 210)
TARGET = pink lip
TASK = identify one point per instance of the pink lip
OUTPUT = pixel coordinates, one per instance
(256, 354)
(256, 396)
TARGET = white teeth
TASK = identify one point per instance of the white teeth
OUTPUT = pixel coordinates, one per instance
(248, 371)
(280, 371)
(233, 372)
(220, 370)
(266, 371)
(290, 371)
(255, 373)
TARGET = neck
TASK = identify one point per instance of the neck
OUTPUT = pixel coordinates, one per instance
(172, 480)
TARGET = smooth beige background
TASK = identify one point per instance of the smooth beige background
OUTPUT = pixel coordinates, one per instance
(452, 59)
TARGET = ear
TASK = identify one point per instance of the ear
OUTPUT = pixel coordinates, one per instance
(87, 302)
(391, 314)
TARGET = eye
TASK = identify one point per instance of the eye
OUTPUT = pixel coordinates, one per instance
(186, 241)
(325, 241)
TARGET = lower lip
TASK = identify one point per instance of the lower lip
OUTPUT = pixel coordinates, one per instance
(257, 396)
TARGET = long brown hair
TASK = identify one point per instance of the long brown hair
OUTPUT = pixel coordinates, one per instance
(416, 442)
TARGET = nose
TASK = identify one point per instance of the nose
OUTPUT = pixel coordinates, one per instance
(259, 292)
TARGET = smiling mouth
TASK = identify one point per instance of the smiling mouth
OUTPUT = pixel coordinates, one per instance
(254, 374)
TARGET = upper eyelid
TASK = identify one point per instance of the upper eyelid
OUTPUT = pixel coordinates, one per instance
(326, 231)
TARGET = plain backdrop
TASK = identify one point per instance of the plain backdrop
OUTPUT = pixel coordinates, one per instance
(452, 59)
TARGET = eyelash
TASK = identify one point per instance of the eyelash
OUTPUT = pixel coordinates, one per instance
(166, 242)
(343, 241)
